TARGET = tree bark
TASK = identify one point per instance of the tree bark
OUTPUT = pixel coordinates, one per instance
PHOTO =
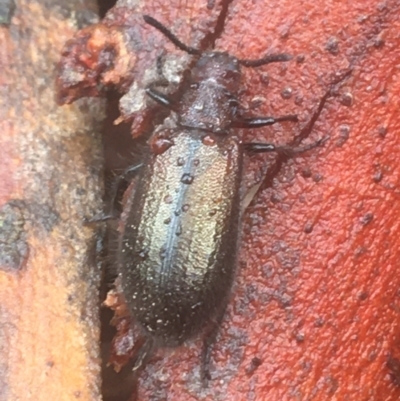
(51, 179)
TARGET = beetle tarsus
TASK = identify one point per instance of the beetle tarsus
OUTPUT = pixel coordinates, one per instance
(99, 218)
(286, 150)
(209, 340)
(257, 122)
(208, 343)
(143, 355)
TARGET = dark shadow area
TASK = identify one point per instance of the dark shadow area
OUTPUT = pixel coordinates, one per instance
(104, 6)
(121, 151)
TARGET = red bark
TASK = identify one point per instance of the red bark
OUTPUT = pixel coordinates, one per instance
(315, 309)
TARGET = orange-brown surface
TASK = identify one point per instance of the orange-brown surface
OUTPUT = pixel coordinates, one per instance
(49, 181)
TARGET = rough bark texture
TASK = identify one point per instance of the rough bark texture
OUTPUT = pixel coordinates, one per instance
(314, 313)
(50, 179)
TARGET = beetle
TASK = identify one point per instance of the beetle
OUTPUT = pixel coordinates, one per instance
(177, 247)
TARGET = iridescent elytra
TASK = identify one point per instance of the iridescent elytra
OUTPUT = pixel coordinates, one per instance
(178, 246)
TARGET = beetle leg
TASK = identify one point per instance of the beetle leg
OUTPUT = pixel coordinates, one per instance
(256, 122)
(117, 185)
(160, 98)
(292, 150)
(286, 150)
(115, 190)
(208, 341)
(162, 80)
(99, 218)
(143, 355)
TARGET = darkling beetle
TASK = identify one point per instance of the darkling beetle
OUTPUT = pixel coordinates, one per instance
(177, 249)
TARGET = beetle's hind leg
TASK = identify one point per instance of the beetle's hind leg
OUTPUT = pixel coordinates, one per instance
(143, 355)
(209, 340)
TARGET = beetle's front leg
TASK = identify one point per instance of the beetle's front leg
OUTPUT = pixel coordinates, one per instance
(160, 98)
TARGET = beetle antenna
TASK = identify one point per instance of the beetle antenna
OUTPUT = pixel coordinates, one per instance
(272, 58)
(167, 33)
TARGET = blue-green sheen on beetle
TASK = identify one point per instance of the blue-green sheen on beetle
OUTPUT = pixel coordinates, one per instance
(177, 249)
